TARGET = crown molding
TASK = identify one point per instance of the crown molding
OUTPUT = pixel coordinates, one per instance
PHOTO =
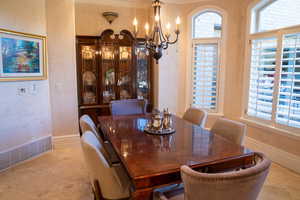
(181, 1)
(119, 3)
(134, 3)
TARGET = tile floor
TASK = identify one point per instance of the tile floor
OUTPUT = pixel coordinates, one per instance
(61, 175)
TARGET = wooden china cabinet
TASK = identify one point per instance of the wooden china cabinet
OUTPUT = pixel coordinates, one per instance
(111, 67)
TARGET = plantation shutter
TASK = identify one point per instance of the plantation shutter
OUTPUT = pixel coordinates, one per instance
(261, 88)
(288, 107)
(204, 75)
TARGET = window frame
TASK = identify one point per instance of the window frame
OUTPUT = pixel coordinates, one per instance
(258, 8)
(201, 13)
(222, 56)
(279, 34)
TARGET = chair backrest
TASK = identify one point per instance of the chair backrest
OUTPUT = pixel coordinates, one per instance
(128, 107)
(86, 124)
(196, 116)
(244, 184)
(111, 184)
(231, 130)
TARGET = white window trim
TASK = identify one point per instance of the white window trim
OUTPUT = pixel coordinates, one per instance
(278, 33)
(222, 57)
(259, 6)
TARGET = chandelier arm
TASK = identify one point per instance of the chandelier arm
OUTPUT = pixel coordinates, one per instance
(162, 36)
(154, 46)
(150, 47)
(166, 46)
(148, 44)
(177, 36)
(151, 50)
(153, 35)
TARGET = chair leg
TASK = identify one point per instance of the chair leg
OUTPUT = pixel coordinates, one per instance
(97, 192)
(95, 198)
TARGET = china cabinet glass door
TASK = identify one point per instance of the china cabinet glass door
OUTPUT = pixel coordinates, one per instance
(89, 74)
(124, 83)
(108, 73)
(142, 73)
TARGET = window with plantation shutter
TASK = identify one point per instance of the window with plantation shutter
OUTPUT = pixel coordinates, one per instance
(207, 34)
(274, 65)
(205, 69)
(262, 74)
(288, 106)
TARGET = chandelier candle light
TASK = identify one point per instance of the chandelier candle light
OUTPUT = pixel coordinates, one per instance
(156, 41)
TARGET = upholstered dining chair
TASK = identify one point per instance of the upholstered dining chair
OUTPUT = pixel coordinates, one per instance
(87, 124)
(244, 184)
(229, 129)
(108, 182)
(196, 116)
(128, 107)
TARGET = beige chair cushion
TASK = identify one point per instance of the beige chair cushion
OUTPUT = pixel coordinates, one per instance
(229, 129)
(244, 184)
(87, 124)
(196, 116)
(128, 107)
(114, 182)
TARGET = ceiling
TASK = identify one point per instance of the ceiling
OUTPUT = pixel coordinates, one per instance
(133, 3)
(181, 1)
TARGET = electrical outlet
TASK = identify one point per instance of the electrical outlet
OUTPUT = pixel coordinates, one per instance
(21, 91)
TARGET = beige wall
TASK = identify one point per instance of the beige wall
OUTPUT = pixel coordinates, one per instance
(170, 70)
(89, 19)
(27, 117)
(62, 66)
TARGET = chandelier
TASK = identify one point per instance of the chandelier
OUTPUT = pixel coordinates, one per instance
(157, 40)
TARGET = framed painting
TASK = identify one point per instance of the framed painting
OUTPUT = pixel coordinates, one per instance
(22, 56)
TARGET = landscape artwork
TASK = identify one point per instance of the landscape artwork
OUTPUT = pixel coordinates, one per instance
(21, 56)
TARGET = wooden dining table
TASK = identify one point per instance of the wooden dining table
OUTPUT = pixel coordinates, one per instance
(154, 161)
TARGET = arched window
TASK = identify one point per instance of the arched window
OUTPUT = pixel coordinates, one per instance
(275, 14)
(274, 85)
(206, 38)
(207, 25)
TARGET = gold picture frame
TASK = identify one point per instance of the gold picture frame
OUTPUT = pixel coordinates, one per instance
(23, 56)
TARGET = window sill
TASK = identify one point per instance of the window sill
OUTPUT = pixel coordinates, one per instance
(216, 114)
(210, 114)
(270, 128)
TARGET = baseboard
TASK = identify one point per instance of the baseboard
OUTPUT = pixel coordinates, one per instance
(65, 140)
(63, 137)
(25, 152)
(286, 159)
